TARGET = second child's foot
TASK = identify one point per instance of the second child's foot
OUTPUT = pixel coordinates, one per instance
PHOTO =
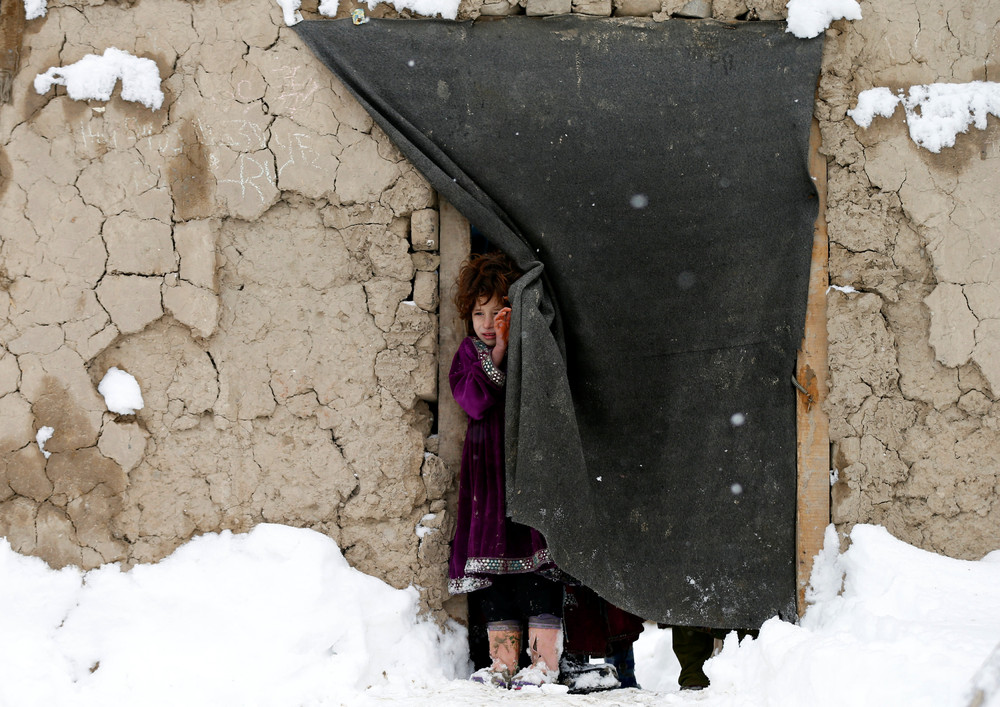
(496, 678)
(586, 678)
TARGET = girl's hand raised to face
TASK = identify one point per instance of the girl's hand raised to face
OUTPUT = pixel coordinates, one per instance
(501, 324)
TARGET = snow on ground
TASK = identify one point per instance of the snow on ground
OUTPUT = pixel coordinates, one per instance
(277, 617)
(935, 113)
(273, 617)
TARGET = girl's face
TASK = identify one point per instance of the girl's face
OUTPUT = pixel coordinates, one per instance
(483, 315)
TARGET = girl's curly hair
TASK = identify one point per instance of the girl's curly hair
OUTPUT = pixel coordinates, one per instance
(483, 277)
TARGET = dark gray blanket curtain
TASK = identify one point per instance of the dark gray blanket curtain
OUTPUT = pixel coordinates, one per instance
(651, 180)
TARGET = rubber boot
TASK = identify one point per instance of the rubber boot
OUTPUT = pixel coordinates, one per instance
(624, 661)
(544, 647)
(505, 647)
(583, 677)
(692, 646)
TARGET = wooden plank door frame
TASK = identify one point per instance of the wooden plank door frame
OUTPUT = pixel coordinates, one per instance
(813, 428)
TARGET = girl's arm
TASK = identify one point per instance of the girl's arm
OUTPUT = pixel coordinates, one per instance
(476, 389)
(501, 323)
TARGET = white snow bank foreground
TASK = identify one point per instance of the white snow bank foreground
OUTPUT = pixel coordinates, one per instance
(910, 628)
(277, 618)
(935, 113)
(273, 617)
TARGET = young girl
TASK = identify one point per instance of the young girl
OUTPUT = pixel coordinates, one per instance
(504, 560)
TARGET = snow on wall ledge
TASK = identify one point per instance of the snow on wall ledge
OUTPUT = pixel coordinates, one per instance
(809, 18)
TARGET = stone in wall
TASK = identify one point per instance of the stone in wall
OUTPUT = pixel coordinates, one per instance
(636, 8)
(193, 306)
(196, 250)
(495, 9)
(138, 246)
(132, 301)
(538, 8)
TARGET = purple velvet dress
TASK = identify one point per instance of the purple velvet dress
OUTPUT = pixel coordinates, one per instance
(486, 542)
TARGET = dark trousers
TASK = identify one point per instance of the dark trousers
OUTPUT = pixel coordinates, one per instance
(514, 597)
(693, 646)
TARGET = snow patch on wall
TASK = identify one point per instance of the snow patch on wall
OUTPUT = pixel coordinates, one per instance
(935, 113)
(121, 392)
(94, 77)
(43, 436)
(290, 11)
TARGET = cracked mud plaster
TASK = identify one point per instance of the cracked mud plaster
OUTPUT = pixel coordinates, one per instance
(245, 253)
(914, 368)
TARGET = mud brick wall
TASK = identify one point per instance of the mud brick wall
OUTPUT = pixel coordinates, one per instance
(258, 256)
(915, 352)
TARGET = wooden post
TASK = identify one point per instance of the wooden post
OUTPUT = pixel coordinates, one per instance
(813, 426)
(454, 249)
